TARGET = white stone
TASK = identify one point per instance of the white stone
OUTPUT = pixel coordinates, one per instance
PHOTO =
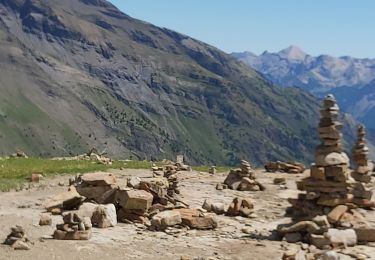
(104, 216)
(346, 237)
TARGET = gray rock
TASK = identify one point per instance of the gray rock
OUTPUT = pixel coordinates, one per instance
(166, 219)
(218, 208)
(346, 237)
(293, 237)
(104, 216)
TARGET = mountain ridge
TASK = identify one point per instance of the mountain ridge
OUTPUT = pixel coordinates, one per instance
(321, 75)
(78, 74)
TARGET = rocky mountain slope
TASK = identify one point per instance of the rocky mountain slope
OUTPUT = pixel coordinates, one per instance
(352, 79)
(77, 74)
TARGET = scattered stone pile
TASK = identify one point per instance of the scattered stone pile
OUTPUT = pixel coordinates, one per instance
(17, 239)
(287, 167)
(239, 207)
(243, 179)
(92, 155)
(74, 228)
(364, 167)
(150, 201)
(326, 214)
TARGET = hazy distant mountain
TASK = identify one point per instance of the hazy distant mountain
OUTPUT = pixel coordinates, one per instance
(352, 79)
(77, 74)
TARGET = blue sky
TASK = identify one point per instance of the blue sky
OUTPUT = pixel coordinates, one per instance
(336, 27)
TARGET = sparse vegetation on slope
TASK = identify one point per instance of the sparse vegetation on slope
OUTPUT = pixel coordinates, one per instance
(95, 77)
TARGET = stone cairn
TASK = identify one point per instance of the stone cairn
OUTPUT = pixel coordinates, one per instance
(328, 208)
(17, 239)
(243, 179)
(170, 173)
(363, 170)
(74, 228)
(329, 184)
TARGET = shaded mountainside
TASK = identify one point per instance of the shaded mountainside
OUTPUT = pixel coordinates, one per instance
(77, 74)
(350, 78)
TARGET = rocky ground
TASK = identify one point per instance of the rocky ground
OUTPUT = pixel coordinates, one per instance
(235, 237)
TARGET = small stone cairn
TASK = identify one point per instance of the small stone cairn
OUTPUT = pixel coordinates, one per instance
(74, 228)
(243, 179)
(170, 173)
(17, 239)
(363, 170)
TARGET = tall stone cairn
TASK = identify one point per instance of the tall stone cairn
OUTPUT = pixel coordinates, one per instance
(363, 167)
(329, 184)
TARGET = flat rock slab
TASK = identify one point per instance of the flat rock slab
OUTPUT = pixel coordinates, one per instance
(65, 200)
(99, 179)
(195, 219)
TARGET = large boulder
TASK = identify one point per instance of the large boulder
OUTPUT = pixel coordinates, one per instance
(99, 186)
(104, 216)
(134, 199)
(195, 219)
(165, 219)
(86, 209)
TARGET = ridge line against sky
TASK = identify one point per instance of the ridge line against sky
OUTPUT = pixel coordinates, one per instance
(334, 27)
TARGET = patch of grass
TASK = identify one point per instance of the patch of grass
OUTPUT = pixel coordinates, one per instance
(15, 172)
(219, 169)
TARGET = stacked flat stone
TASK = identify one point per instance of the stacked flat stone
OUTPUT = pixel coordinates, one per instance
(328, 184)
(170, 173)
(74, 228)
(363, 167)
(243, 179)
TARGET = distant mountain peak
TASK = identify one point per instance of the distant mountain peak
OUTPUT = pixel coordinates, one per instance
(292, 53)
